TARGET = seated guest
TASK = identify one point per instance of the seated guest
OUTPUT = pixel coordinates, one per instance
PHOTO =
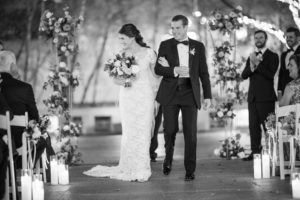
(292, 90)
(20, 98)
(291, 94)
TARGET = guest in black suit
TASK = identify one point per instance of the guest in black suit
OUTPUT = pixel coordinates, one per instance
(260, 68)
(20, 98)
(181, 62)
(292, 39)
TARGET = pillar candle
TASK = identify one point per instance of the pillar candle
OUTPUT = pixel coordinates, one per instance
(265, 164)
(38, 192)
(257, 166)
(54, 170)
(296, 184)
(26, 187)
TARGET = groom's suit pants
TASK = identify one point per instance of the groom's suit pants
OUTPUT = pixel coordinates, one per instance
(184, 102)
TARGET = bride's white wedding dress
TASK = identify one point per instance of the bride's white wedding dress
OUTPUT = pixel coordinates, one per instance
(137, 116)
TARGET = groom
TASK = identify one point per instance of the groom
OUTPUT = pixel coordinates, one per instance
(180, 91)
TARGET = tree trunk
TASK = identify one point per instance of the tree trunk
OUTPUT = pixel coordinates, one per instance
(31, 8)
(98, 63)
(156, 18)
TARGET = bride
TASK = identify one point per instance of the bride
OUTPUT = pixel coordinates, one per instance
(137, 107)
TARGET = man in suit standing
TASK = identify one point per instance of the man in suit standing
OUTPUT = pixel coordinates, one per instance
(260, 68)
(292, 39)
(180, 91)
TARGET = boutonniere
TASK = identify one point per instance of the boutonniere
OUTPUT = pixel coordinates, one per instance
(192, 51)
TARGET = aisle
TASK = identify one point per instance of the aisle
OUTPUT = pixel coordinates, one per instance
(215, 178)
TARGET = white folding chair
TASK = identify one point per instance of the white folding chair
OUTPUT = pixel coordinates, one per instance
(282, 137)
(5, 124)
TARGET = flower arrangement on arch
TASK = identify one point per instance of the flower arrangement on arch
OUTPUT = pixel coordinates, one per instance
(122, 66)
(224, 111)
(57, 104)
(36, 129)
(230, 148)
(61, 30)
(226, 23)
(62, 77)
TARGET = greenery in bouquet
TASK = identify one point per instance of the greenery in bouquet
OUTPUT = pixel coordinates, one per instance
(231, 148)
(226, 23)
(122, 66)
(288, 123)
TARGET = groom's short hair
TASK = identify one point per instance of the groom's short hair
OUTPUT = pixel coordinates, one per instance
(183, 18)
(263, 32)
(294, 30)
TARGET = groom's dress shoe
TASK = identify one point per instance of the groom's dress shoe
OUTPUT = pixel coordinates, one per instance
(189, 177)
(249, 158)
(167, 169)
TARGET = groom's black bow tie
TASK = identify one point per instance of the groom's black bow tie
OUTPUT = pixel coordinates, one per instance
(291, 49)
(185, 42)
(258, 52)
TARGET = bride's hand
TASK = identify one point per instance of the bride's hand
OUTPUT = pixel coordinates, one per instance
(119, 81)
(163, 62)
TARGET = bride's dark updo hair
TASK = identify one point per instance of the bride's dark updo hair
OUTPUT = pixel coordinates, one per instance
(131, 31)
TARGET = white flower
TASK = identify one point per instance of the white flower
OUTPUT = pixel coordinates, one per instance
(192, 51)
(127, 61)
(220, 25)
(221, 54)
(62, 64)
(241, 154)
(220, 114)
(81, 18)
(49, 14)
(118, 63)
(66, 128)
(55, 40)
(226, 17)
(63, 48)
(217, 152)
(56, 93)
(135, 69)
(76, 73)
(120, 73)
(36, 132)
(64, 80)
(239, 8)
(232, 14)
(51, 74)
(71, 47)
(229, 113)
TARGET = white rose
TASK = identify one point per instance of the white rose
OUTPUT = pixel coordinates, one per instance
(220, 114)
(51, 74)
(49, 14)
(76, 73)
(36, 132)
(62, 64)
(241, 154)
(64, 80)
(135, 69)
(239, 8)
(120, 73)
(118, 63)
(55, 40)
(221, 54)
(226, 17)
(63, 48)
(66, 128)
(229, 113)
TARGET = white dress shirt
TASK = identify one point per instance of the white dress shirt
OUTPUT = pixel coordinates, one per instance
(183, 55)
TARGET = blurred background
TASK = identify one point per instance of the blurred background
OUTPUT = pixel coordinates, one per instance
(95, 100)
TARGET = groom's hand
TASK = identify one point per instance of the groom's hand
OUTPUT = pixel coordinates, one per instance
(163, 62)
(182, 71)
(207, 104)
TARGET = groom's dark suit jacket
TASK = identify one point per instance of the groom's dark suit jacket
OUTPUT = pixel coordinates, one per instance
(261, 87)
(198, 69)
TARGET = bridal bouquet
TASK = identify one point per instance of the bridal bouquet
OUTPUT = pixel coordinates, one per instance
(123, 67)
(288, 123)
